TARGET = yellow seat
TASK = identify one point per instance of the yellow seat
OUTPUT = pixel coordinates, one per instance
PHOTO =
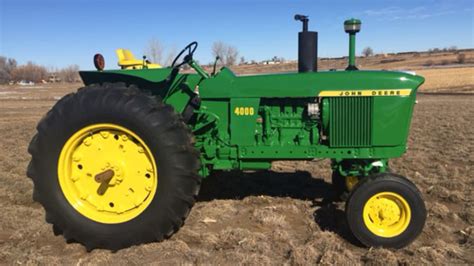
(128, 61)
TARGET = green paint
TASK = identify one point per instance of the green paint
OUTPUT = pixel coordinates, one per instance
(246, 122)
(352, 49)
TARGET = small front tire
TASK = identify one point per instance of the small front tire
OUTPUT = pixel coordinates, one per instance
(385, 210)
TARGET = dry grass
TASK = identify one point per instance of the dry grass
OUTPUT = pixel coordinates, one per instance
(264, 218)
(448, 79)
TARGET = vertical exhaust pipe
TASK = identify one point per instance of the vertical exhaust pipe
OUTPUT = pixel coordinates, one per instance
(307, 47)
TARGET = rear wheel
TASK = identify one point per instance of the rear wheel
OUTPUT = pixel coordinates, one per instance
(385, 210)
(113, 167)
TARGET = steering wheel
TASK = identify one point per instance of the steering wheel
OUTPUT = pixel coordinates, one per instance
(190, 48)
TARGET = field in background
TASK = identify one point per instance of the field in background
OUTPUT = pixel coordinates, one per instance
(401, 61)
(442, 71)
(272, 217)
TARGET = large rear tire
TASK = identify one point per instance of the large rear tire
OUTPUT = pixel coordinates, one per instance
(385, 210)
(114, 167)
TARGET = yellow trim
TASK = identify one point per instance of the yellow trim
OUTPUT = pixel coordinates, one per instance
(365, 93)
(126, 60)
(98, 148)
(239, 111)
(387, 214)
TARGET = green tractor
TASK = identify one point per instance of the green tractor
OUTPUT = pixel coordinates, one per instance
(120, 162)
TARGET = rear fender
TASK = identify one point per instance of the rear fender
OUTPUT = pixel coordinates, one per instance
(177, 92)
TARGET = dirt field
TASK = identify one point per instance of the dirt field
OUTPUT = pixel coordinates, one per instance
(271, 217)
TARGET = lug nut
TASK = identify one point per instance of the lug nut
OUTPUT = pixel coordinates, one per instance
(87, 141)
(76, 157)
(104, 134)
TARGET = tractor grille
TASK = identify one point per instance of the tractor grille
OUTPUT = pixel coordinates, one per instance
(350, 121)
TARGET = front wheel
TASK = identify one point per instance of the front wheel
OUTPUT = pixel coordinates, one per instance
(385, 210)
(113, 167)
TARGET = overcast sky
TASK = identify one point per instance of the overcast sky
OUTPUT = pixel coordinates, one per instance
(57, 33)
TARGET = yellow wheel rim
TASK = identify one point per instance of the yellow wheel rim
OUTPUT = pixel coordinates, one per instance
(107, 173)
(387, 214)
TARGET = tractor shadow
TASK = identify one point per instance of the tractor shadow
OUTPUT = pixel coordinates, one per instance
(236, 185)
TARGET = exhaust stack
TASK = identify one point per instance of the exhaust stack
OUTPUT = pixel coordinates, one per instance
(307, 47)
(352, 26)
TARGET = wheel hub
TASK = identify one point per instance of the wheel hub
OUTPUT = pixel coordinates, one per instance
(387, 214)
(107, 173)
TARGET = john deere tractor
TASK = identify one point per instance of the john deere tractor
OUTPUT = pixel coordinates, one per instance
(120, 161)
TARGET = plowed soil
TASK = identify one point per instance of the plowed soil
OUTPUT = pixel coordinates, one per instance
(275, 217)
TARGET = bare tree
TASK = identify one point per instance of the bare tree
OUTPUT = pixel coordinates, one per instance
(4, 75)
(227, 53)
(368, 52)
(231, 56)
(69, 74)
(29, 72)
(171, 54)
(154, 51)
(461, 59)
(219, 50)
(7, 65)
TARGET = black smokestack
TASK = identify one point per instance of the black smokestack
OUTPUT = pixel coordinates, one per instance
(307, 47)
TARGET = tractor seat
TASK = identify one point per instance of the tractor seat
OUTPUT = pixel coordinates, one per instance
(126, 60)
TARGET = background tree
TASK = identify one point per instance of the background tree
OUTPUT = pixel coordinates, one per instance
(4, 75)
(7, 65)
(367, 52)
(158, 53)
(231, 56)
(29, 72)
(171, 54)
(154, 51)
(461, 58)
(228, 54)
(219, 50)
(69, 74)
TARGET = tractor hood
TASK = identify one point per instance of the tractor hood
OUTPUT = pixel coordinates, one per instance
(311, 84)
(287, 85)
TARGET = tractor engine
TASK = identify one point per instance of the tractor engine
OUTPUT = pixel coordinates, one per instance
(288, 122)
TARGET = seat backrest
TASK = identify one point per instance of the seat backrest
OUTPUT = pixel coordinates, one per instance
(128, 55)
(127, 60)
(124, 55)
(120, 55)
